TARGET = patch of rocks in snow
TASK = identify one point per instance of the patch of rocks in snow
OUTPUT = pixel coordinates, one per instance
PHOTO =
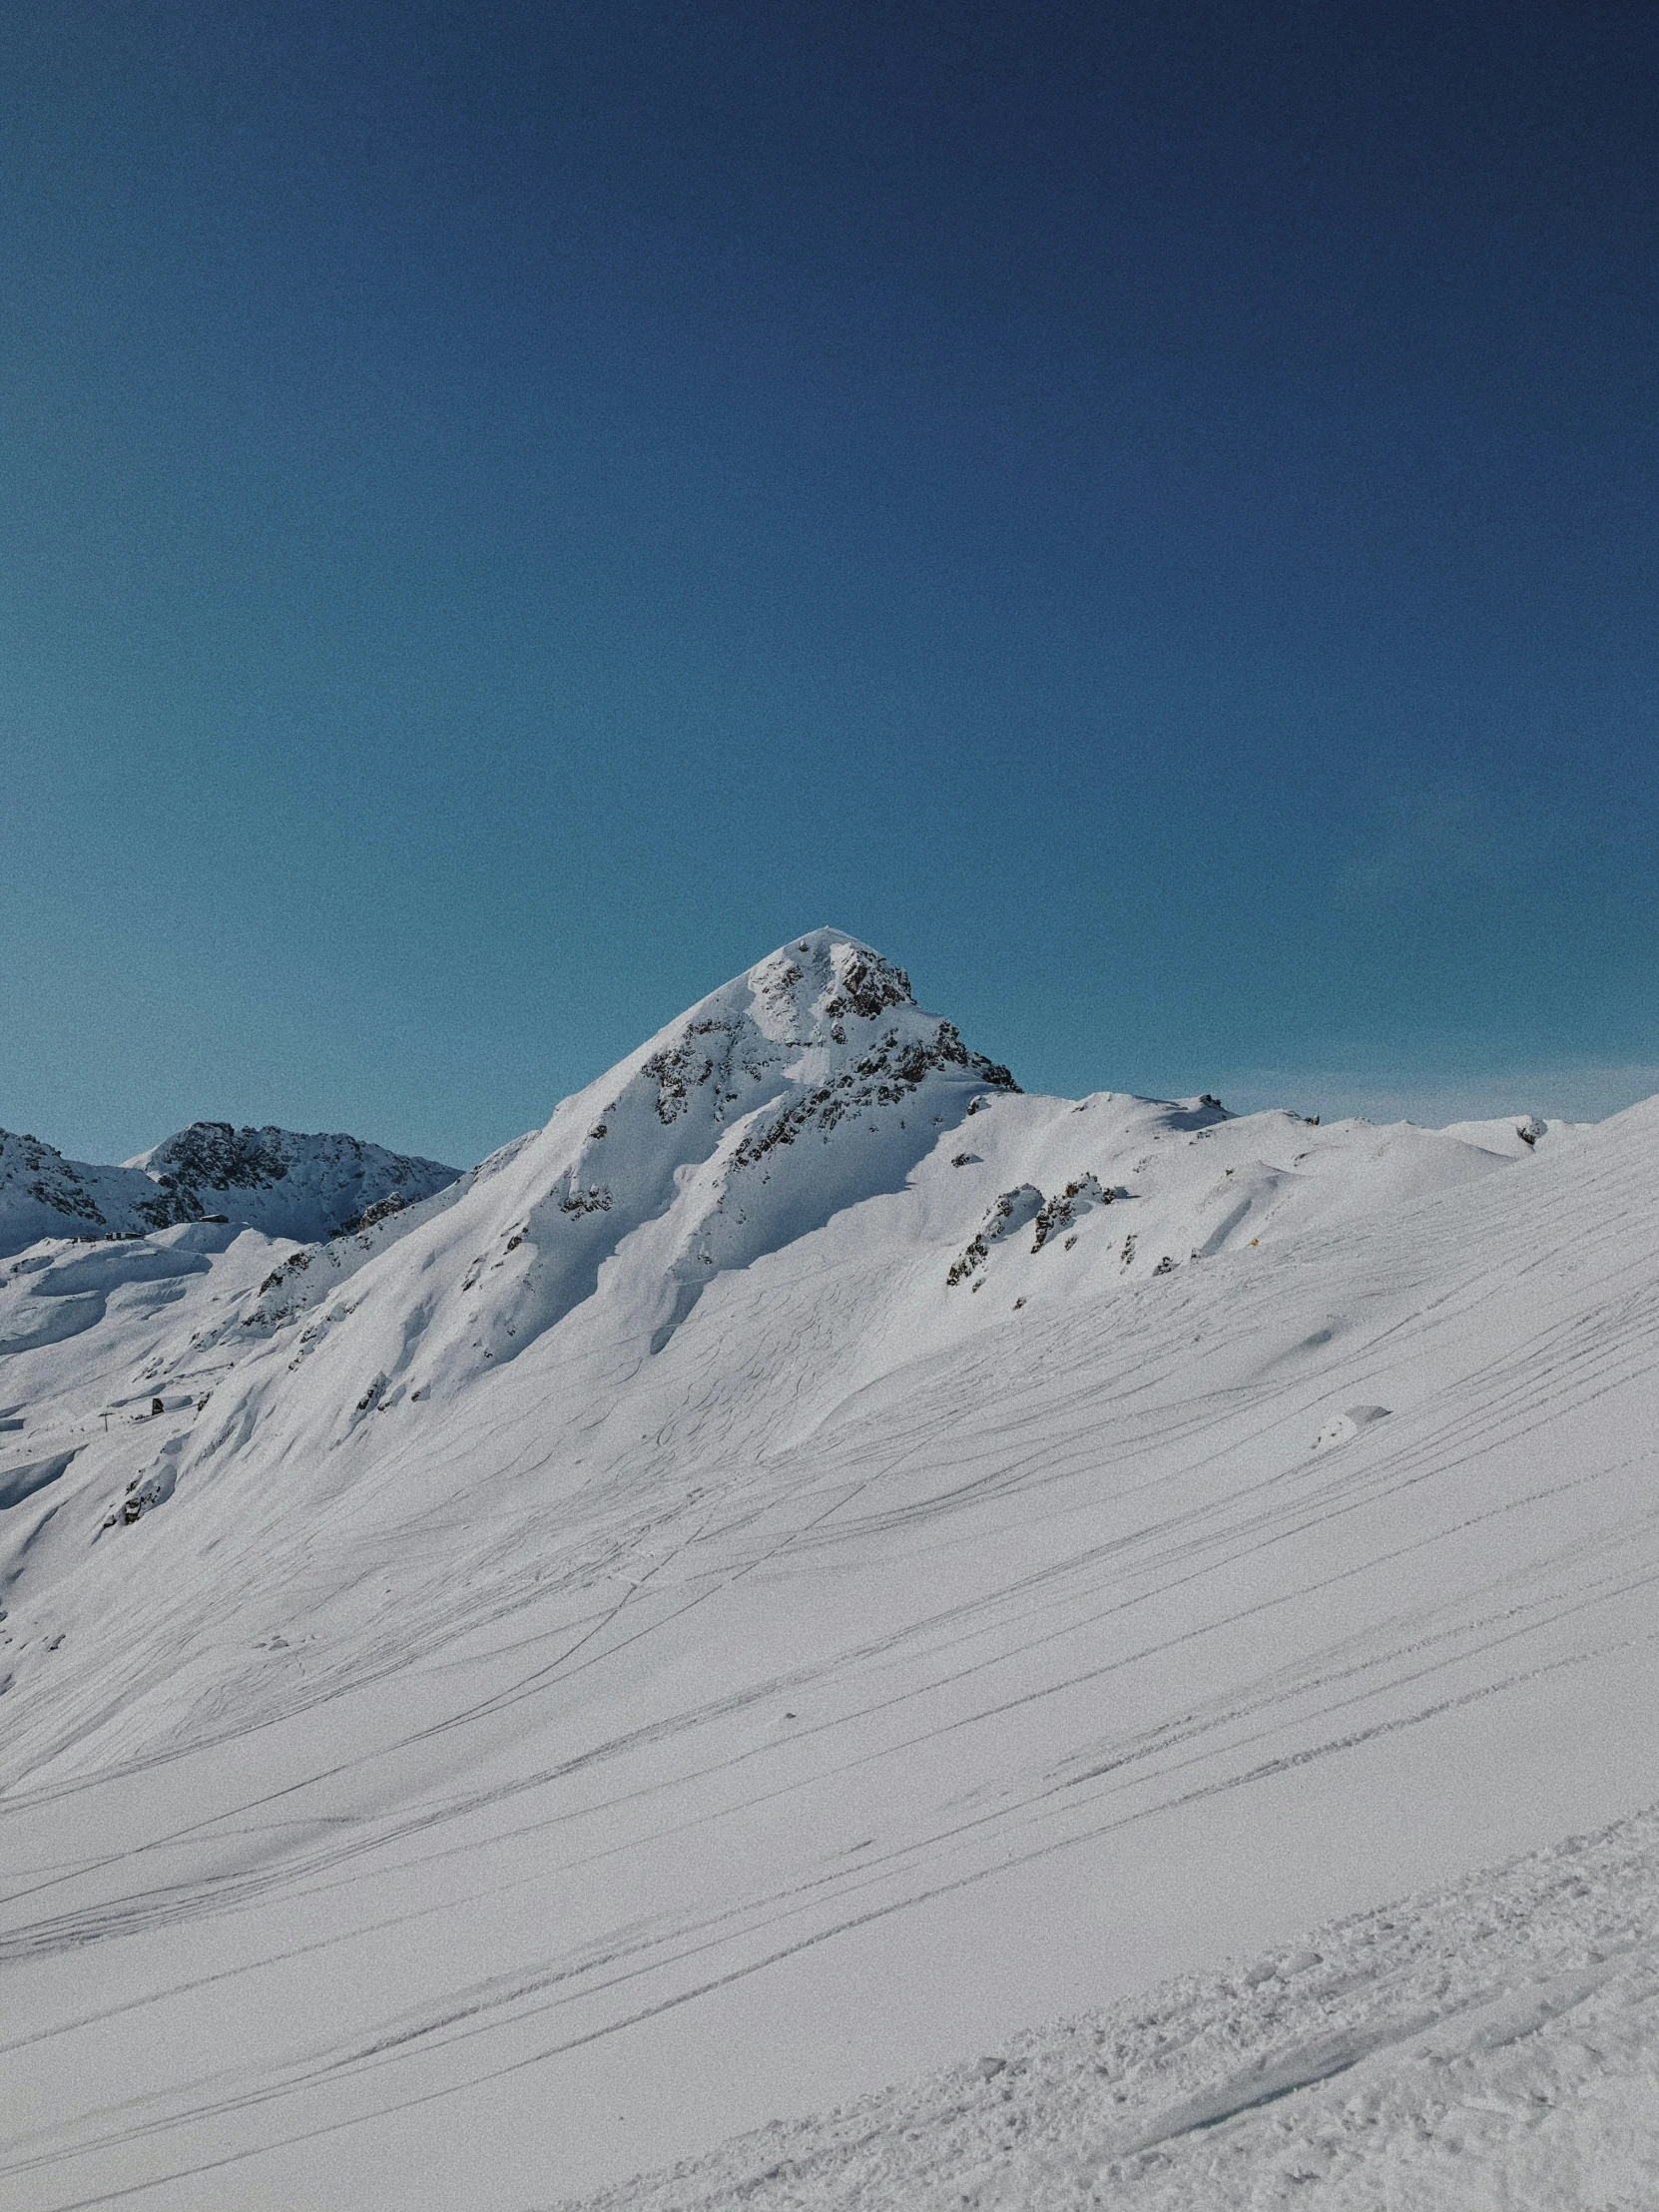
(1010, 1211)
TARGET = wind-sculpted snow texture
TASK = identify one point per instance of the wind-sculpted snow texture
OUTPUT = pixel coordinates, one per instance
(1496, 2045)
(271, 1179)
(626, 1647)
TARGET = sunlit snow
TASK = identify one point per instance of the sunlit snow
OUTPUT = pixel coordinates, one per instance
(804, 1568)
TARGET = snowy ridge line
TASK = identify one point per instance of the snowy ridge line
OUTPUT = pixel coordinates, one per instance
(1381, 2042)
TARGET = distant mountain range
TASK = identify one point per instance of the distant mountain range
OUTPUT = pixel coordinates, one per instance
(276, 1180)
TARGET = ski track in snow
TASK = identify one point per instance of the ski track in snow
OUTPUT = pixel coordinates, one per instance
(1496, 2044)
(504, 1755)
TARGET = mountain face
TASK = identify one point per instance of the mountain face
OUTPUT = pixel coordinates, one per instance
(272, 1179)
(815, 1555)
(806, 1087)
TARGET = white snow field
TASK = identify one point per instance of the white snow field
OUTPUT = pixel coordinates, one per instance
(1494, 2045)
(808, 1564)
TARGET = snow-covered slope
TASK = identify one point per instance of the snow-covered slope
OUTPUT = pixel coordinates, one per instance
(1494, 2044)
(809, 1562)
(275, 1180)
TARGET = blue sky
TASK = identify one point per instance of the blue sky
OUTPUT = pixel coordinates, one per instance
(509, 512)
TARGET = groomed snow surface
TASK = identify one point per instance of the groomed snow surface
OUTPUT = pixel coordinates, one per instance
(808, 1564)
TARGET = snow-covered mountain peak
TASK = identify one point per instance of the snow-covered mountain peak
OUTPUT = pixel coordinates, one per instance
(810, 990)
(825, 992)
(275, 1180)
(284, 1182)
(803, 1086)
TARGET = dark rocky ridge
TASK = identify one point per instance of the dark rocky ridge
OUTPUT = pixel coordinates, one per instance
(279, 1180)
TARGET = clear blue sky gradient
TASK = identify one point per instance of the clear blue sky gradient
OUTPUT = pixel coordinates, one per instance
(1148, 514)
